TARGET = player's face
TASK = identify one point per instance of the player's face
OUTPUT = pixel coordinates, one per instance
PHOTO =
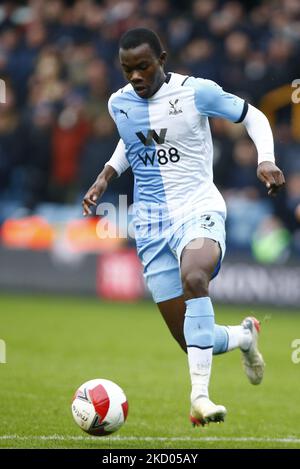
(143, 69)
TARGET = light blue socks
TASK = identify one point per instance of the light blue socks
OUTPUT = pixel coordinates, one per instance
(199, 323)
(199, 337)
(221, 339)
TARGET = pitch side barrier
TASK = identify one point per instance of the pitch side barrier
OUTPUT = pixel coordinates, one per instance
(118, 275)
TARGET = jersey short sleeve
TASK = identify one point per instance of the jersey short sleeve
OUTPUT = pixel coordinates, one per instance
(118, 159)
(109, 106)
(212, 101)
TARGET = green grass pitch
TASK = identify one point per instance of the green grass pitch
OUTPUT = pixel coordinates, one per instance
(55, 344)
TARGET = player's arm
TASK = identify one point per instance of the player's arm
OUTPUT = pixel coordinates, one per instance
(259, 130)
(113, 168)
(211, 100)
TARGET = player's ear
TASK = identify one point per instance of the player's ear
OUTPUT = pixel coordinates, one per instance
(162, 58)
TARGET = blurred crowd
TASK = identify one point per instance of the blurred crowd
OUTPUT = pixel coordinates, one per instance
(59, 60)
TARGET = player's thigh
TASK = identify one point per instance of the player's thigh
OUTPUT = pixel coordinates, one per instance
(199, 243)
(200, 255)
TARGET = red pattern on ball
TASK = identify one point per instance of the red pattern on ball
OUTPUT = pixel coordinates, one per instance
(100, 401)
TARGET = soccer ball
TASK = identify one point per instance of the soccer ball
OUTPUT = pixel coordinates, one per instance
(99, 407)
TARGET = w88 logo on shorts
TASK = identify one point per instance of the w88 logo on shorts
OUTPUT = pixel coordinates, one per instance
(161, 156)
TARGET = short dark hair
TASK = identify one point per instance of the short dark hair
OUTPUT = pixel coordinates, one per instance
(135, 37)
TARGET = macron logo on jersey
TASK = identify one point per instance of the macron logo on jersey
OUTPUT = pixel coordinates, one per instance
(152, 136)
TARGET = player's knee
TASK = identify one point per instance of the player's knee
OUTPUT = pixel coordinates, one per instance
(195, 283)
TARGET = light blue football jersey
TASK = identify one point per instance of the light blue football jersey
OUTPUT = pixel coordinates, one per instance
(167, 141)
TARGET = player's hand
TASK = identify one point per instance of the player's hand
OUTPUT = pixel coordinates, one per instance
(269, 174)
(92, 195)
